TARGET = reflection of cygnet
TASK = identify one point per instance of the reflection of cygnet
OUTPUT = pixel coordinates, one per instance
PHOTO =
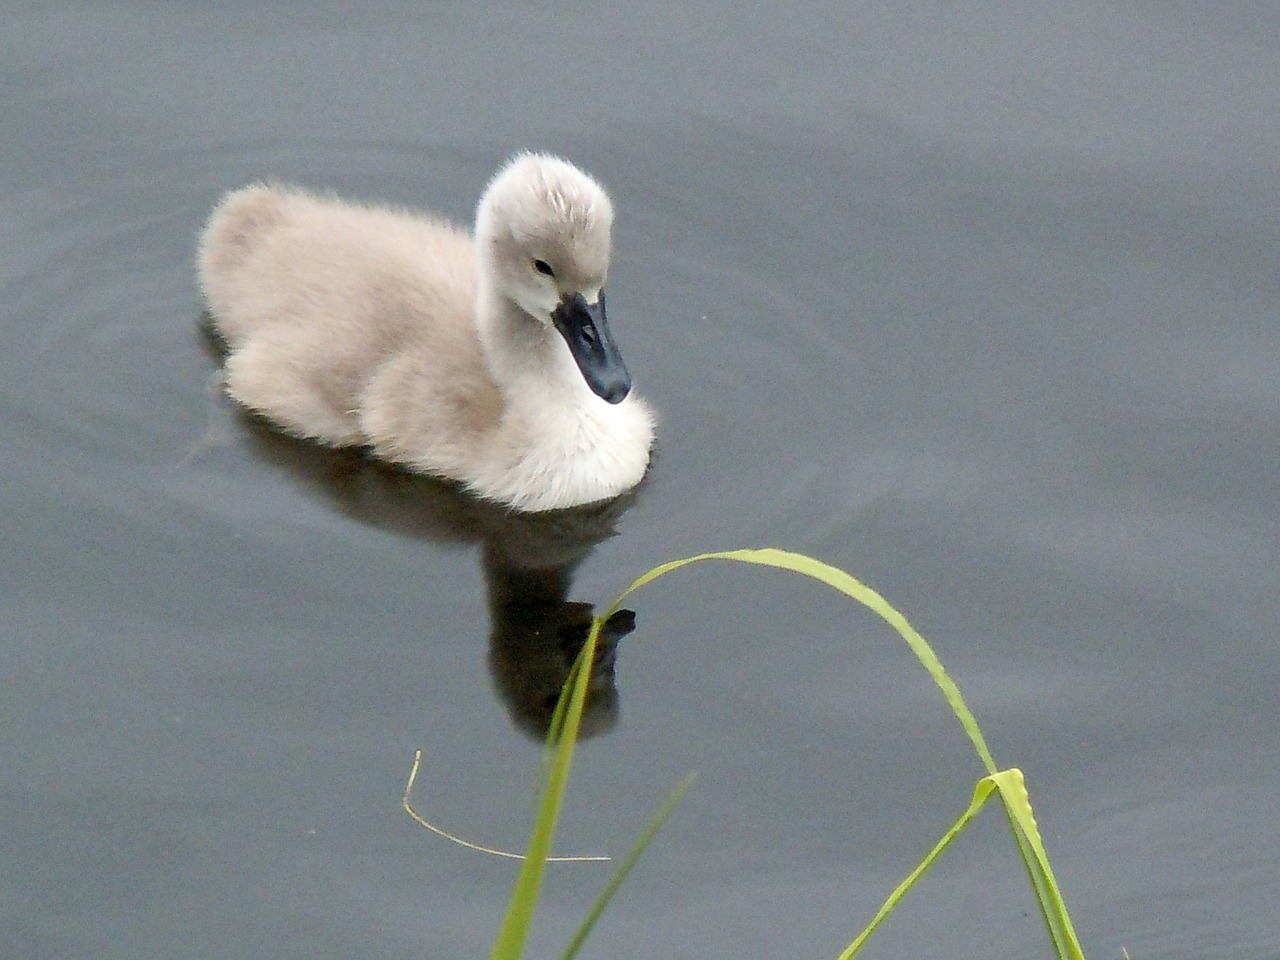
(529, 561)
(484, 359)
(537, 635)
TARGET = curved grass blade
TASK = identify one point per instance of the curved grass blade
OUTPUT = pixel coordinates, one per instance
(567, 720)
(856, 590)
(1009, 783)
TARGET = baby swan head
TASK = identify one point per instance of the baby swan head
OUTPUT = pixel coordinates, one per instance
(543, 236)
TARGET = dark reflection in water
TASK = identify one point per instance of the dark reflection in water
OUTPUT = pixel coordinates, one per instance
(529, 561)
(538, 632)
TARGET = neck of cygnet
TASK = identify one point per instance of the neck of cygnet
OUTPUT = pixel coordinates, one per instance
(523, 353)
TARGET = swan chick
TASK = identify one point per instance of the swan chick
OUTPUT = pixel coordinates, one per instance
(484, 358)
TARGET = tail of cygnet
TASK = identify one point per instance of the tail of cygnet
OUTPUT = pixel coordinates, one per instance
(233, 235)
(240, 218)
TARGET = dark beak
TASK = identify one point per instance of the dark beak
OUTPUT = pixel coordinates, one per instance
(584, 329)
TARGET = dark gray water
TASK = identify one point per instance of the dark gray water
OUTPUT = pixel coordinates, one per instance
(981, 303)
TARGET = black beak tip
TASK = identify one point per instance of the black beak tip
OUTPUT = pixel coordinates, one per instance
(615, 392)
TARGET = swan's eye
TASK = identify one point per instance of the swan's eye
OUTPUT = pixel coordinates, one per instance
(543, 268)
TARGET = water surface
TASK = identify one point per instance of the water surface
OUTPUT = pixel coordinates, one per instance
(980, 306)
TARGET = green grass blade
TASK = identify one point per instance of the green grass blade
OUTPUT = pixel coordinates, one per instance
(620, 874)
(981, 794)
(510, 942)
(566, 722)
(1017, 804)
(856, 590)
(1009, 783)
(555, 726)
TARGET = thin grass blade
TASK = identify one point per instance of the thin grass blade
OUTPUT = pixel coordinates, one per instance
(514, 931)
(981, 794)
(624, 868)
(1017, 804)
(856, 590)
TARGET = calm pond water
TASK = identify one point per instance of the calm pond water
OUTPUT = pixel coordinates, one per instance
(981, 306)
